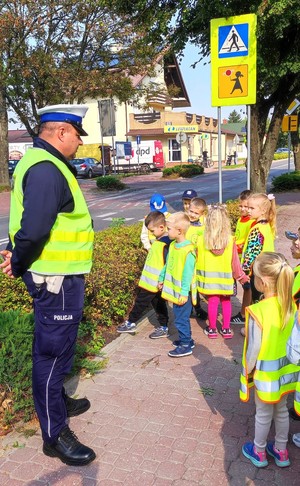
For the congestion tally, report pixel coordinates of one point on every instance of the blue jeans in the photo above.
(182, 321)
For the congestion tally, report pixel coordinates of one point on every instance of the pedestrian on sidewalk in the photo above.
(261, 208)
(196, 213)
(51, 242)
(217, 266)
(293, 347)
(177, 281)
(148, 285)
(242, 229)
(264, 362)
(157, 203)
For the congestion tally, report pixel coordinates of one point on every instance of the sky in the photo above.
(198, 84)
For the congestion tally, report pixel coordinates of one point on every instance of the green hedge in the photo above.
(185, 170)
(110, 183)
(286, 182)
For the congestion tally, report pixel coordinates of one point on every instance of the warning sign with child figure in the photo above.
(233, 60)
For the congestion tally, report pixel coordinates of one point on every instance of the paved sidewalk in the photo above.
(158, 421)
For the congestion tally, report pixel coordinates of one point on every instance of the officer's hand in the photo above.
(6, 265)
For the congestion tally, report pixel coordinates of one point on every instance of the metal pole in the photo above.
(289, 155)
(220, 154)
(248, 146)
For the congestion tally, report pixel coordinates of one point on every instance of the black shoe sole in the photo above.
(74, 413)
(65, 460)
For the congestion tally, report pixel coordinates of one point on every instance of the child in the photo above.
(264, 358)
(157, 203)
(262, 209)
(217, 266)
(293, 348)
(196, 214)
(148, 292)
(176, 280)
(186, 197)
(243, 227)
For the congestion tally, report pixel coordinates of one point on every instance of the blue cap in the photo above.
(189, 194)
(158, 203)
(72, 114)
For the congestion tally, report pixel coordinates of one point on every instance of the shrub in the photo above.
(185, 170)
(233, 212)
(282, 155)
(110, 183)
(286, 182)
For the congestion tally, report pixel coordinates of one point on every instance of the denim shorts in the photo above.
(246, 286)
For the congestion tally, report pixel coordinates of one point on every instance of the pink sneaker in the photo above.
(281, 457)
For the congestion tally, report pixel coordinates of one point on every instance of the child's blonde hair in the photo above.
(217, 230)
(279, 277)
(268, 205)
(180, 220)
(199, 203)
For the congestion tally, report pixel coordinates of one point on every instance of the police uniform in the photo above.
(51, 239)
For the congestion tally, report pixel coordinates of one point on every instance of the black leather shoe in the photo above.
(76, 406)
(69, 450)
(293, 414)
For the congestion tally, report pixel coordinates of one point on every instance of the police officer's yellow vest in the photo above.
(241, 232)
(153, 266)
(266, 231)
(69, 248)
(174, 271)
(274, 375)
(193, 233)
(214, 272)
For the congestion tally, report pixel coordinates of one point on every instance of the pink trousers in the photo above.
(213, 304)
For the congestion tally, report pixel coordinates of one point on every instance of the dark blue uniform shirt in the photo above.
(46, 193)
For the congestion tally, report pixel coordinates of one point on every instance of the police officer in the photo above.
(51, 239)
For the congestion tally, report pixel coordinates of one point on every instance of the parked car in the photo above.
(281, 150)
(11, 166)
(87, 167)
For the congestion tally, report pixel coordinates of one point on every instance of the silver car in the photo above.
(87, 167)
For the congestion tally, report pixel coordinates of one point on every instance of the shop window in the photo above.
(174, 151)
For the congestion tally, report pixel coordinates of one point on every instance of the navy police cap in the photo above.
(72, 114)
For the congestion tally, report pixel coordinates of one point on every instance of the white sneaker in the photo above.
(296, 439)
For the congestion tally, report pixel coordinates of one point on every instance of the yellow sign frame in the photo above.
(231, 67)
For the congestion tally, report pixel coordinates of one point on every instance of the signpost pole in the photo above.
(220, 154)
(248, 146)
(289, 153)
(138, 141)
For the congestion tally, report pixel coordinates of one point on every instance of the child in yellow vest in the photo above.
(261, 208)
(186, 198)
(242, 229)
(176, 281)
(217, 266)
(148, 292)
(265, 366)
(157, 203)
(196, 213)
(293, 346)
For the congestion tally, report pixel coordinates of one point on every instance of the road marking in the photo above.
(105, 215)
(125, 219)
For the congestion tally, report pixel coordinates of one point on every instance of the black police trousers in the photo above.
(57, 318)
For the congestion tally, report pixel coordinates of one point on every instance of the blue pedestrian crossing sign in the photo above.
(233, 40)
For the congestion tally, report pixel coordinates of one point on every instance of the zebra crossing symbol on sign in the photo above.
(233, 40)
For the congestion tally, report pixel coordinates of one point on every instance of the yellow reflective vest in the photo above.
(174, 272)
(193, 233)
(296, 292)
(241, 232)
(214, 272)
(274, 375)
(69, 248)
(153, 266)
(296, 284)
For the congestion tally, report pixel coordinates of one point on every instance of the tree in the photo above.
(278, 62)
(64, 52)
(234, 117)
